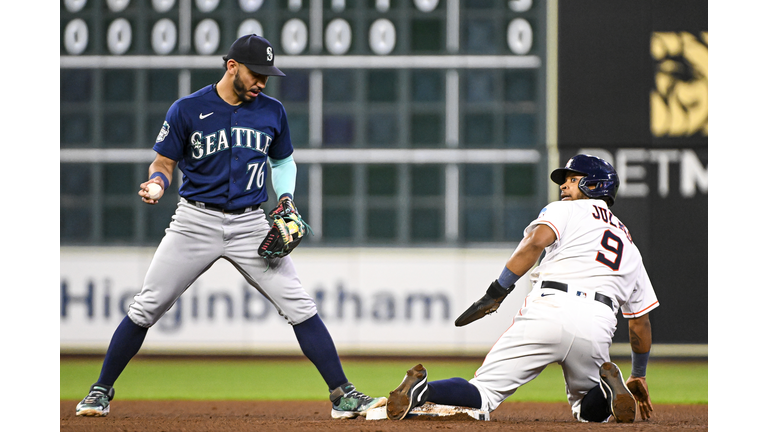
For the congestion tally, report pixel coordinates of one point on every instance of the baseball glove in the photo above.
(488, 303)
(288, 228)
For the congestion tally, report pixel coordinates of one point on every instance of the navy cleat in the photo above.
(617, 394)
(411, 393)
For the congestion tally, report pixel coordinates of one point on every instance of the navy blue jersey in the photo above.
(222, 149)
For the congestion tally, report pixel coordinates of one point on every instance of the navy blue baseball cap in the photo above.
(255, 53)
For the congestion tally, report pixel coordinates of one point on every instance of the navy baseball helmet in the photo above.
(597, 172)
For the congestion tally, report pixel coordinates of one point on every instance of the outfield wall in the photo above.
(374, 302)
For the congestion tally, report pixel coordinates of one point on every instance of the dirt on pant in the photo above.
(315, 416)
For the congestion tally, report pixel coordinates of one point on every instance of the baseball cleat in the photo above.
(411, 393)
(619, 397)
(348, 403)
(96, 404)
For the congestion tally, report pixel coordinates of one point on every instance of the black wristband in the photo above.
(496, 290)
(639, 363)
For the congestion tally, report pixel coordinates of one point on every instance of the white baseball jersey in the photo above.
(594, 250)
(593, 254)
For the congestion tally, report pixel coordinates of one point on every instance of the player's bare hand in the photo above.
(151, 191)
(639, 389)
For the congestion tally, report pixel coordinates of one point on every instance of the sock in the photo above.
(455, 391)
(318, 347)
(594, 406)
(125, 343)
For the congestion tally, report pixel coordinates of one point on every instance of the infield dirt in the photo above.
(236, 416)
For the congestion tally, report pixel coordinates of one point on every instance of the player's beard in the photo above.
(240, 90)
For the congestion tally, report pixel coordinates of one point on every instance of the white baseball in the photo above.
(154, 190)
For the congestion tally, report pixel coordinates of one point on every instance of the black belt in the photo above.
(209, 206)
(604, 299)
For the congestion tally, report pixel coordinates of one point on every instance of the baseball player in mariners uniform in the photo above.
(591, 270)
(225, 138)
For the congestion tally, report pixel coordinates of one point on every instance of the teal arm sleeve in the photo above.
(283, 176)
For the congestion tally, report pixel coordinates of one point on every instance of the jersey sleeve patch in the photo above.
(164, 131)
(554, 215)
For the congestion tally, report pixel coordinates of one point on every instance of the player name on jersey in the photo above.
(608, 217)
(206, 145)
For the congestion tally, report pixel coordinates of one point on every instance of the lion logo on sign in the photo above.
(679, 101)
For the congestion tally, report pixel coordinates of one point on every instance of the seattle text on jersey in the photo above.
(206, 145)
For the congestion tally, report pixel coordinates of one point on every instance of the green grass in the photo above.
(669, 382)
